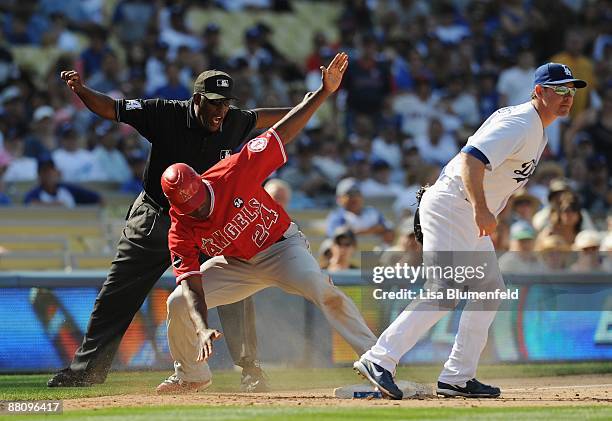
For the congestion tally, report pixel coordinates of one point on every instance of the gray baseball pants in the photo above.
(287, 264)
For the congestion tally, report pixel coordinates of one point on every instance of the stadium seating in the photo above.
(54, 229)
(32, 261)
(292, 32)
(90, 260)
(21, 214)
(34, 243)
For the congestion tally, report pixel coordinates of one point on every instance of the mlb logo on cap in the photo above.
(556, 74)
(214, 84)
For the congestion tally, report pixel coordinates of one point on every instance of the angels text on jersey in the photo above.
(252, 212)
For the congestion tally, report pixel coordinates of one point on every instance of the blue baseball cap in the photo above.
(358, 156)
(522, 230)
(556, 74)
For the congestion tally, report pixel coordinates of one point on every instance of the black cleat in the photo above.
(472, 389)
(253, 379)
(68, 378)
(379, 377)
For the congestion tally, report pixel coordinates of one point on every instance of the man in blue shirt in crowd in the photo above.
(51, 192)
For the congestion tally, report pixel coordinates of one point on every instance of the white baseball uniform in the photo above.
(512, 140)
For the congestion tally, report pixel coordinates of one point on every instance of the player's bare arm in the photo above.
(97, 102)
(472, 174)
(266, 117)
(296, 119)
(198, 312)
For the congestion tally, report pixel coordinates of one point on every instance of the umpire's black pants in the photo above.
(142, 257)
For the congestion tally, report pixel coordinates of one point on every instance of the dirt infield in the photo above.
(545, 391)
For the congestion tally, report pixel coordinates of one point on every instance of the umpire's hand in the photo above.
(72, 79)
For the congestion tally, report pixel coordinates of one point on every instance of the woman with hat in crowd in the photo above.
(587, 245)
(553, 251)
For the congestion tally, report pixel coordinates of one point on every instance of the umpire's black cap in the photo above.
(214, 84)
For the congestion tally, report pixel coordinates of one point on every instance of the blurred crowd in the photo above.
(423, 76)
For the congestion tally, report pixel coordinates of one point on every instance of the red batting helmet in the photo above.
(183, 187)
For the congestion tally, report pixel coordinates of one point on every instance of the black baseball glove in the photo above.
(418, 233)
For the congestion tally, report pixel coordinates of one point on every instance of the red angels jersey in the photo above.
(243, 218)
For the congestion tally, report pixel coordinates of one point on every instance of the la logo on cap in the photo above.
(223, 83)
(567, 70)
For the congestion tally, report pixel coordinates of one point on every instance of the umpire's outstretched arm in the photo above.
(297, 118)
(97, 102)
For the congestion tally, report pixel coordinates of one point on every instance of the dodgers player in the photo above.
(226, 213)
(458, 213)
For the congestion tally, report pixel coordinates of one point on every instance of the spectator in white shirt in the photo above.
(353, 214)
(75, 163)
(379, 184)
(516, 83)
(110, 164)
(155, 67)
(437, 147)
(387, 146)
(448, 29)
(21, 167)
(177, 34)
(418, 108)
(461, 102)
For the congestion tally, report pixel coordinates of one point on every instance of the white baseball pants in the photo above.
(447, 221)
(288, 265)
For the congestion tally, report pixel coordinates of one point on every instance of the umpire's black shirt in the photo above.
(176, 135)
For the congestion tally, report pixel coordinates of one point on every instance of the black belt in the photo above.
(159, 208)
(281, 239)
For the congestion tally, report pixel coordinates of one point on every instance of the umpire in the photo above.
(199, 132)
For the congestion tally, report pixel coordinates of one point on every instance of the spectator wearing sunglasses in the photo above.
(342, 250)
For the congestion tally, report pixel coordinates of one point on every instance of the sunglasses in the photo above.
(344, 244)
(219, 102)
(562, 90)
